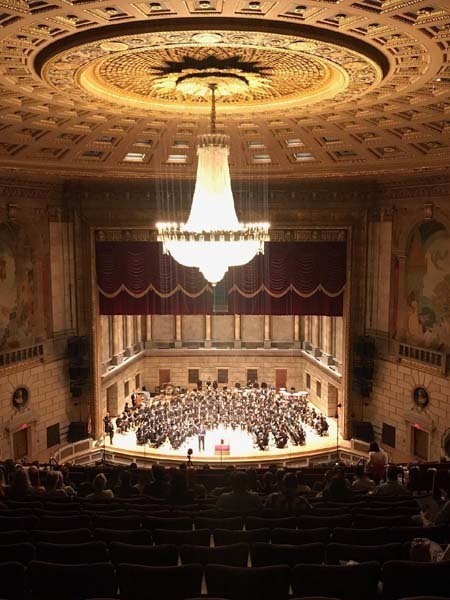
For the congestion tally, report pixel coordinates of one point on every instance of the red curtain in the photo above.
(291, 278)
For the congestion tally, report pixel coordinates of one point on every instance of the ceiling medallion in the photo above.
(170, 71)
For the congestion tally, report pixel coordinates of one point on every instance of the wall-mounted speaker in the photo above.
(363, 430)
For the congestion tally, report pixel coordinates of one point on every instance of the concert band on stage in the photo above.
(270, 417)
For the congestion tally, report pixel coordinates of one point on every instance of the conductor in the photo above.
(201, 433)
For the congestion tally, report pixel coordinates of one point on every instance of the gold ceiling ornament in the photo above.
(170, 71)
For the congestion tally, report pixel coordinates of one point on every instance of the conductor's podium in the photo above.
(222, 449)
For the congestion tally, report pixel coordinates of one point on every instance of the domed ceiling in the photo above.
(323, 88)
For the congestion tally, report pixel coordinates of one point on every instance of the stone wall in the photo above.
(49, 402)
(392, 402)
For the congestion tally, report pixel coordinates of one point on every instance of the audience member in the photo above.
(125, 489)
(392, 487)
(100, 492)
(159, 488)
(376, 465)
(240, 499)
(35, 480)
(54, 485)
(288, 500)
(21, 486)
(337, 489)
(362, 482)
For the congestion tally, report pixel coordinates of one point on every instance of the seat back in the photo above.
(12, 581)
(22, 553)
(300, 536)
(66, 536)
(72, 554)
(162, 555)
(135, 536)
(361, 537)
(354, 582)
(225, 537)
(232, 523)
(241, 583)
(49, 581)
(174, 583)
(381, 553)
(198, 537)
(408, 578)
(263, 555)
(234, 554)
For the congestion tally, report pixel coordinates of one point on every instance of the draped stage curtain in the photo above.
(291, 278)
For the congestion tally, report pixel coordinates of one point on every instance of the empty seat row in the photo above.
(48, 581)
(202, 537)
(134, 521)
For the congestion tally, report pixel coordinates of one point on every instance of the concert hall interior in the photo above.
(336, 113)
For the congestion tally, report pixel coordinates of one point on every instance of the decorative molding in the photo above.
(276, 235)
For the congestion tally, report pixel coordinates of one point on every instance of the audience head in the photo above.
(51, 481)
(392, 473)
(374, 447)
(290, 483)
(99, 482)
(21, 485)
(159, 473)
(239, 482)
(338, 488)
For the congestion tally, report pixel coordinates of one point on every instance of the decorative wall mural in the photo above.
(20, 322)
(428, 286)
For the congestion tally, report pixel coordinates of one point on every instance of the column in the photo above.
(401, 327)
(339, 324)
(208, 331)
(296, 331)
(237, 331)
(315, 335)
(327, 340)
(178, 339)
(267, 340)
(307, 332)
(138, 340)
(129, 351)
(148, 331)
(117, 340)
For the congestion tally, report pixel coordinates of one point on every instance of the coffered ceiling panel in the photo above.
(319, 88)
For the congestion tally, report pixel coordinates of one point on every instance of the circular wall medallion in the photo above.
(20, 398)
(421, 397)
(171, 71)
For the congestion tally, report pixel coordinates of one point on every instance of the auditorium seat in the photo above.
(361, 537)
(14, 537)
(244, 583)
(233, 523)
(233, 554)
(312, 522)
(137, 582)
(12, 581)
(262, 523)
(353, 582)
(27, 522)
(49, 581)
(372, 521)
(175, 523)
(264, 555)
(380, 553)
(57, 523)
(300, 536)
(21, 552)
(224, 537)
(438, 533)
(134, 536)
(198, 537)
(162, 555)
(126, 522)
(72, 554)
(66, 536)
(408, 578)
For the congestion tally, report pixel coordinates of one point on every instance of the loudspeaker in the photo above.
(78, 430)
(363, 430)
(77, 348)
(365, 347)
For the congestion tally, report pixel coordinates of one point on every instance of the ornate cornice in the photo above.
(276, 235)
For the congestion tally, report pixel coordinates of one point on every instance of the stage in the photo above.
(241, 448)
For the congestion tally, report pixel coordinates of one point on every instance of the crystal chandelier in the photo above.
(212, 239)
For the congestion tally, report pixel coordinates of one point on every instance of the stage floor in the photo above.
(242, 448)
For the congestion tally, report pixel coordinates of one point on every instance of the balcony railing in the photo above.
(433, 358)
(13, 357)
